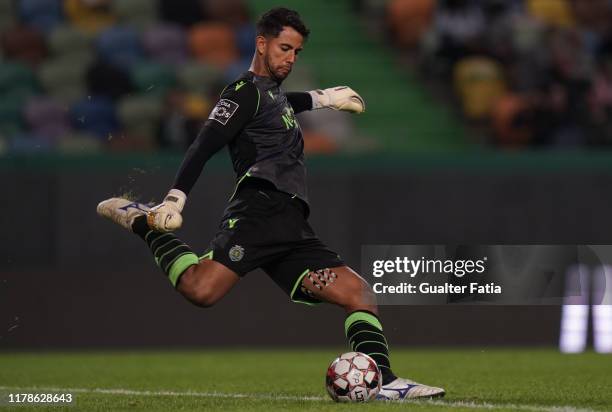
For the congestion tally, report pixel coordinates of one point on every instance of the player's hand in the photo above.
(338, 98)
(166, 217)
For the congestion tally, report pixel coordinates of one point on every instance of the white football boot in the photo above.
(122, 211)
(404, 389)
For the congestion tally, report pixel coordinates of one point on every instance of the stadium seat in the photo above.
(509, 121)
(17, 84)
(28, 142)
(153, 78)
(79, 143)
(196, 107)
(7, 15)
(104, 79)
(140, 115)
(236, 69)
(137, 13)
(43, 15)
(24, 44)
(232, 12)
(213, 43)
(11, 119)
(65, 39)
(245, 35)
(119, 46)
(4, 145)
(329, 123)
(318, 143)
(552, 12)
(182, 12)
(301, 79)
(199, 78)
(63, 78)
(95, 115)
(409, 19)
(90, 16)
(479, 82)
(132, 143)
(182, 119)
(17, 78)
(47, 118)
(166, 43)
(373, 8)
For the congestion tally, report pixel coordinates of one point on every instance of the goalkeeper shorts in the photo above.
(268, 229)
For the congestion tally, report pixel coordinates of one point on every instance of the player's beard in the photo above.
(275, 73)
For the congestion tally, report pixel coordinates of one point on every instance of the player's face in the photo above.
(282, 52)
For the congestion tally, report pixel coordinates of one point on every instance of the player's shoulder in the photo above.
(241, 97)
(241, 88)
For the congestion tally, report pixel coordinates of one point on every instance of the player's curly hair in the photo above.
(271, 23)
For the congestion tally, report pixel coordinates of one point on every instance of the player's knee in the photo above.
(359, 296)
(347, 290)
(204, 296)
(196, 289)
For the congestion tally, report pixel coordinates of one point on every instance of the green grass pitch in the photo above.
(540, 380)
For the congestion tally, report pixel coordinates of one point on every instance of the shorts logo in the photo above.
(223, 111)
(236, 253)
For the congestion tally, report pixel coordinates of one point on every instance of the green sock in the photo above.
(171, 254)
(365, 334)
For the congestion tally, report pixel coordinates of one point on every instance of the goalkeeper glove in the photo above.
(166, 216)
(338, 98)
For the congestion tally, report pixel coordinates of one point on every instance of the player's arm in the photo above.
(337, 98)
(300, 101)
(234, 109)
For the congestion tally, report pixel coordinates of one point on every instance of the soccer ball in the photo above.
(353, 377)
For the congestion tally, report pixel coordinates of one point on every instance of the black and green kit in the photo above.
(265, 223)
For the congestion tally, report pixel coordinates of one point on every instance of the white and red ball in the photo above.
(353, 377)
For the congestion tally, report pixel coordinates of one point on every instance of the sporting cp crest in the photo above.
(236, 253)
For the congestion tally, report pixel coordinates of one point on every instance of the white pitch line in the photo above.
(448, 404)
(513, 406)
(119, 391)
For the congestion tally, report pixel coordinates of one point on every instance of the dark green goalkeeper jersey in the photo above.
(256, 119)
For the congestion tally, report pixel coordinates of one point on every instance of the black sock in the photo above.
(365, 334)
(171, 254)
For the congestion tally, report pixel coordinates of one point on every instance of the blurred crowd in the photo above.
(121, 75)
(533, 72)
(90, 75)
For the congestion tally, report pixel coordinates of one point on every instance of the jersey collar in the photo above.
(264, 82)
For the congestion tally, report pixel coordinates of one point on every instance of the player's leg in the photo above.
(206, 283)
(310, 273)
(344, 287)
(338, 284)
(201, 282)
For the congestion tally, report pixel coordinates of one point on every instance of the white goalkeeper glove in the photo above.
(338, 98)
(166, 217)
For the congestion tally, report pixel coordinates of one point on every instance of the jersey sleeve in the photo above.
(237, 105)
(300, 101)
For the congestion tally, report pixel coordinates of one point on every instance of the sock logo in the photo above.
(236, 253)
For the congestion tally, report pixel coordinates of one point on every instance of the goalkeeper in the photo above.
(265, 223)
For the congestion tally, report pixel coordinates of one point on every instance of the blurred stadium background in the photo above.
(487, 122)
